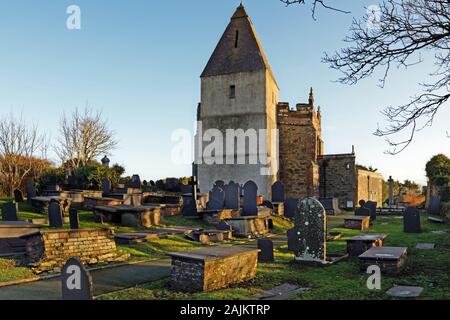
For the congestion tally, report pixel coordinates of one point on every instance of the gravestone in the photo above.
(136, 182)
(268, 204)
(74, 219)
(76, 281)
(405, 292)
(250, 199)
(232, 199)
(55, 217)
(308, 238)
(9, 212)
(391, 192)
(31, 190)
(278, 192)
(372, 206)
(434, 207)
(224, 226)
(290, 207)
(106, 186)
(216, 199)
(18, 196)
(220, 184)
(189, 206)
(266, 250)
(362, 211)
(411, 220)
(425, 246)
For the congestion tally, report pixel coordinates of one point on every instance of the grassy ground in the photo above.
(428, 269)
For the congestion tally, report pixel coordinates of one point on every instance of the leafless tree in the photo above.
(405, 31)
(19, 148)
(83, 137)
(314, 4)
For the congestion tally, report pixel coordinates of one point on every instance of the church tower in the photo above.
(238, 92)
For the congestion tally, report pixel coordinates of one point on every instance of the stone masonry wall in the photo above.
(370, 186)
(49, 250)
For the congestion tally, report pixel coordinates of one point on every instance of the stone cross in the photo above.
(10, 212)
(411, 220)
(232, 199)
(308, 238)
(18, 196)
(76, 281)
(74, 219)
(216, 199)
(278, 192)
(250, 199)
(55, 216)
(290, 207)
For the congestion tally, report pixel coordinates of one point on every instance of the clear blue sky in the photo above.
(140, 62)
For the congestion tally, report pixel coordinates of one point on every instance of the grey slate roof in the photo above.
(249, 54)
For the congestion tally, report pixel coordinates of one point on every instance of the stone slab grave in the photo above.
(357, 222)
(290, 207)
(411, 221)
(10, 233)
(55, 215)
(425, 246)
(210, 236)
(308, 239)
(266, 254)
(76, 281)
(278, 192)
(212, 268)
(331, 206)
(249, 226)
(130, 199)
(136, 237)
(232, 197)
(18, 196)
(10, 212)
(439, 232)
(391, 260)
(357, 245)
(282, 292)
(250, 207)
(129, 216)
(214, 217)
(405, 292)
(41, 204)
(91, 202)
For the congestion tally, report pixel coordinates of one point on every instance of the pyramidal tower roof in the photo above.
(239, 49)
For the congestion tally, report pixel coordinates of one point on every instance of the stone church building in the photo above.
(239, 91)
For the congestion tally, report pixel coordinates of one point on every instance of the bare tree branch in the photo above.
(314, 3)
(405, 30)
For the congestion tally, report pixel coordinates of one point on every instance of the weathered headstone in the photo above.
(290, 207)
(18, 196)
(250, 199)
(189, 206)
(278, 192)
(220, 184)
(74, 219)
(216, 199)
(308, 238)
(136, 182)
(362, 211)
(411, 220)
(76, 281)
(31, 190)
(106, 186)
(10, 212)
(266, 250)
(434, 206)
(372, 206)
(55, 216)
(232, 199)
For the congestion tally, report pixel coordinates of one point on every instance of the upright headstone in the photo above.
(216, 199)
(391, 192)
(308, 238)
(106, 186)
(18, 196)
(290, 207)
(10, 212)
(362, 211)
(232, 199)
(250, 199)
(434, 207)
(411, 220)
(74, 219)
(136, 182)
(278, 192)
(372, 206)
(189, 209)
(220, 184)
(266, 250)
(55, 216)
(31, 190)
(76, 281)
